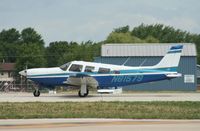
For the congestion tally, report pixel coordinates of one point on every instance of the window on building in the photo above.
(76, 68)
(2, 73)
(104, 70)
(89, 69)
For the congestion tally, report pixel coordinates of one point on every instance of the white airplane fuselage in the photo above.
(92, 74)
(116, 76)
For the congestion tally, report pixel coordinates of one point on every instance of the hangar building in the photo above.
(148, 54)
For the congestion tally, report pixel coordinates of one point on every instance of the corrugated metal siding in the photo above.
(187, 66)
(112, 50)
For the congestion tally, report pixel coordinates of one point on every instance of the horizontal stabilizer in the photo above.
(174, 75)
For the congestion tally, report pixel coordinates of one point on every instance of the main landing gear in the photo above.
(83, 92)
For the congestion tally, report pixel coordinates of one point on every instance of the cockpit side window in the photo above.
(76, 68)
(89, 69)
(104, 70)
(65, 66)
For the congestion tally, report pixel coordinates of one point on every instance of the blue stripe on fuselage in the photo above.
(49, 81)
(124, 80)
(106, 81)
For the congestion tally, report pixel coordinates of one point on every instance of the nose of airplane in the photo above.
(23, 73)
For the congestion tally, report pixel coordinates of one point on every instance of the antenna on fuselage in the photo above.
(126, 61)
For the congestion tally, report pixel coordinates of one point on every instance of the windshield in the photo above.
(65, 66)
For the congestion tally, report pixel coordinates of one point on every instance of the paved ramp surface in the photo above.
(45, 97)
(99, 124)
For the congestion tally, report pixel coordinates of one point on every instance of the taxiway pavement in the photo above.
(60, 97)
(99, 124)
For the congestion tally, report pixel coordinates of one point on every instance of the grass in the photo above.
(130, 110)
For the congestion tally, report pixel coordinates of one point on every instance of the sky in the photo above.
(83, 20)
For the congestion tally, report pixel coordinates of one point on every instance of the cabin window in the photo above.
(116, 72)
(104, 70)
(65, 66)
(76, 68)
(89, 69)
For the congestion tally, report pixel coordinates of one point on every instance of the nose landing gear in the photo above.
(36, 93)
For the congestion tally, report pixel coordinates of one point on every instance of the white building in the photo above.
(6, 75)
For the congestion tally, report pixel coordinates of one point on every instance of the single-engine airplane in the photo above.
(89, 74)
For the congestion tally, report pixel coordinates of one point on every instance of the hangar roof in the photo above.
(144, 49)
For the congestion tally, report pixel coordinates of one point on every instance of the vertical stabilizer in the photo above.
(171, 59)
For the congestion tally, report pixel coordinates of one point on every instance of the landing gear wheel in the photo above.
(36, 93)
(83, 95)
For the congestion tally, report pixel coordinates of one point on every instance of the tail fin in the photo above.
(171, 60)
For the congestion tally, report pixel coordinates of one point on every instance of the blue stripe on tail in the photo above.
(177, 47)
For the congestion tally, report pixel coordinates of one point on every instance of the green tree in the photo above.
(31, 50)
(83, 51)
(151, 39)
(167, 34)
(9, 41)
(31, 56)
(124, 29)
(10, 36)
(115, 37)
(60, 52)
(1, 57)
(88, 51)
(29, 35)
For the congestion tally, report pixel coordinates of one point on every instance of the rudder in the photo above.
(171, 59)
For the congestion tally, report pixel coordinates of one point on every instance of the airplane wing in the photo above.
(76, 80)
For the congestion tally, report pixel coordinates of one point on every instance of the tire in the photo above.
(36, 93)
(86, 94)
